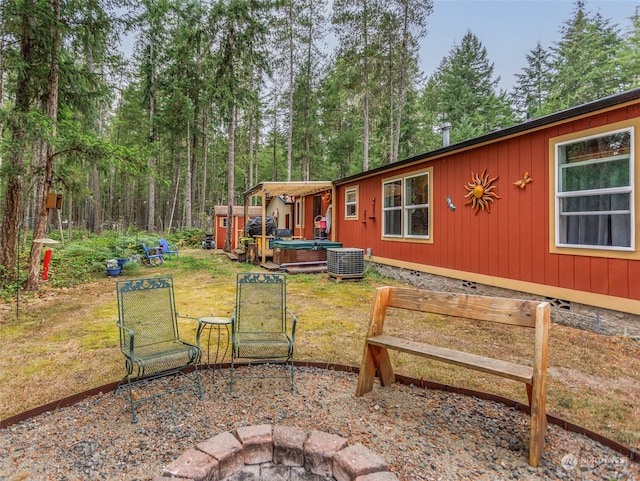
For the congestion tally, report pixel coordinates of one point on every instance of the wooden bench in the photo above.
(513, 312)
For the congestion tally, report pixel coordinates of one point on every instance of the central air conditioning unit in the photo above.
(345, 263)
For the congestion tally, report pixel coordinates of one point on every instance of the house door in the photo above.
(317, 206)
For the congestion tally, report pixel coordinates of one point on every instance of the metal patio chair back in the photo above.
(263, 328)
(150, 339)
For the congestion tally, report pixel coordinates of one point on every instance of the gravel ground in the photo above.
(423, 434)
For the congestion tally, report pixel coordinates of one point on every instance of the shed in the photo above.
(220, 223)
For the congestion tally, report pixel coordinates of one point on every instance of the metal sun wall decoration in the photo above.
(480, 192)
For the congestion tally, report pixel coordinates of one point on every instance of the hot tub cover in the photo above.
(306, 244)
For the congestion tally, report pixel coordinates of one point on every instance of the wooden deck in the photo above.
(236, 255)
(231, 255)
(270, 266)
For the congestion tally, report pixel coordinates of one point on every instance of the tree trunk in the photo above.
(151, 162)
(365, 137)
(403, 67)
(175, 198)
(290, 112)
(205, 159)
(97, 199)
(231, 179)
(306, 157)
(274, 154)
(69, 214)
(391, 104)
(95, 173)
(252, 150)
(11, 217)
(195, 149)
(2, 46)
(187, 181)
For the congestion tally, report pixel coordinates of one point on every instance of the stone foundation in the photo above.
(277, 453)
(590, 318)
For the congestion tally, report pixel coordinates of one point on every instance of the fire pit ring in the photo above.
(265, 452)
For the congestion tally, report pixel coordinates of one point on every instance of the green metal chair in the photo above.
(263, 328)
(149, 337)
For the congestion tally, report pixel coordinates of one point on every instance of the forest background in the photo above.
(220, 95)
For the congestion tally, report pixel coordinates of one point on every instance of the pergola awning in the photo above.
(292, 189)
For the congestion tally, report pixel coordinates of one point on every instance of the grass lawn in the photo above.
(65, 341)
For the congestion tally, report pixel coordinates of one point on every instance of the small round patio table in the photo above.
(217, 323)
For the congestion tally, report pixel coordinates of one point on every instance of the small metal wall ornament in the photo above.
(450, 204)
(522, 183)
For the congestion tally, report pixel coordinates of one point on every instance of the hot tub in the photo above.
(297, 251)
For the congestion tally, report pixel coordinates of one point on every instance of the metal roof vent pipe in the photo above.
(446, 133)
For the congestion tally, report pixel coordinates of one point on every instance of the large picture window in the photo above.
(406, 207)
(595, 191)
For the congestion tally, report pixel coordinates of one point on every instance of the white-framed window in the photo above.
(416, 205)
(392, 208)
(594, 191)
(351, 203)
(406, 206)
(223, 222)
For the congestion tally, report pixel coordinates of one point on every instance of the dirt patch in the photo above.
(577, 379)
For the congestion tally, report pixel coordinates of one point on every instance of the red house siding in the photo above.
(512, 242)
(221, 231)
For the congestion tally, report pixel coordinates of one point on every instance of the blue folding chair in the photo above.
(168, 249)
(153, 255)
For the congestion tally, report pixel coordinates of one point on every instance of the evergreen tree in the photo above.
(341, 119)
(531, 91)
(412, 20)
(584, 63)
(302, 27)
(629, 56)
(183, 79)
(151, 21)
(356, 23)
(464, 91)
(289, 41)
(309, 152)
(242, 31)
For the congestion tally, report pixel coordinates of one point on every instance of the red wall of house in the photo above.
(510, 242)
